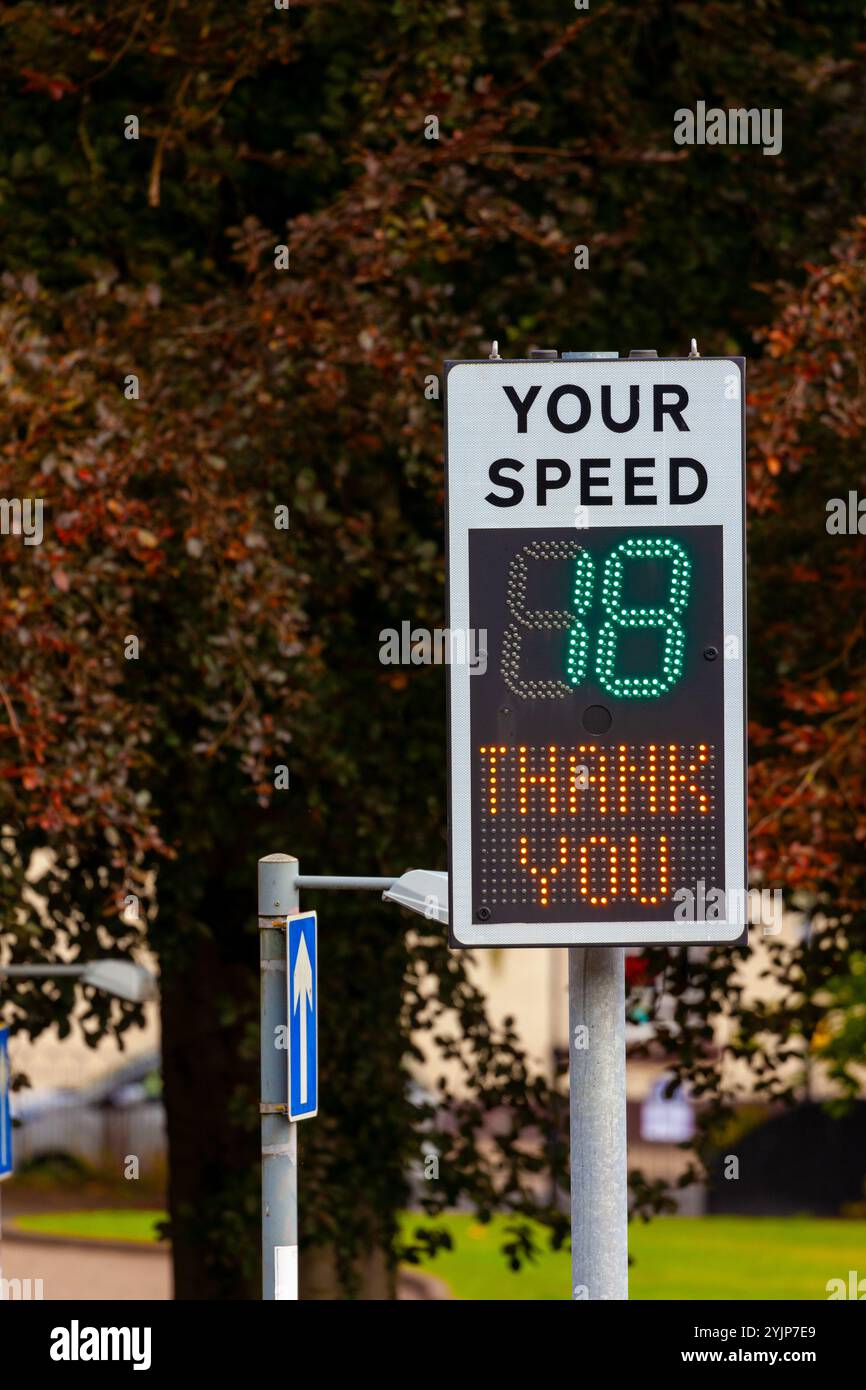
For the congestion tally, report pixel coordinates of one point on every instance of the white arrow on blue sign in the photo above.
(303, 1016)
(5, 1107)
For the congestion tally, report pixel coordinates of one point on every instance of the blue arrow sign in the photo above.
(303, 1016)
(5, 1107)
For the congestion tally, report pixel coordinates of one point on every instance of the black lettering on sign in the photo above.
(676, 467)
(565, 426)
(522, 407)
(635, 480)
(550, 474)
(661, 407)
(496, 474)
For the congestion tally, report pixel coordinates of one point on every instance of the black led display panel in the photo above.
(597, 725)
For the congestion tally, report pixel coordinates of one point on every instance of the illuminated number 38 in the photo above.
(618, 618)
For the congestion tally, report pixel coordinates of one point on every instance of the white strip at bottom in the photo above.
(286, 1273)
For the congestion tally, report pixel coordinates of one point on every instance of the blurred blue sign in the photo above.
(5, 1107)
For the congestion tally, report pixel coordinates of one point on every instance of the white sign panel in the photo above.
(595, 514)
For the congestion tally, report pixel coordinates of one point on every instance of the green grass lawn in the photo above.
(136, 1226)
(741, 1257)
(713, 1257)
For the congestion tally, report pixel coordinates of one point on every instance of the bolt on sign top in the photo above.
(595, 520)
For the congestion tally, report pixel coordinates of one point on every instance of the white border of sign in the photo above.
(478, 430)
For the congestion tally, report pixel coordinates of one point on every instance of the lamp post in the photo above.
(279, 884)
(597, 1106)
(122, 978)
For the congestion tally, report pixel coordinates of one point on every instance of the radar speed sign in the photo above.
(596, 557)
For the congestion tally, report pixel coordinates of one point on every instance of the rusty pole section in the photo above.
(278, 896)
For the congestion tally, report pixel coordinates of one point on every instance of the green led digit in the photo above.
(619, 619)
(578, 637)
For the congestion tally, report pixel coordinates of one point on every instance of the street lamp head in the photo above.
(424, 891)
(122, 978)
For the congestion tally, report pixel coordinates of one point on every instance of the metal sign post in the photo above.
(278, 899)
(596, 560)
(597, 1099)
(288, 959)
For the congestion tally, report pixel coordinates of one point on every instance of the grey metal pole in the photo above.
(278, 895)
(39, 972)
(346, 881)
(599, 1181)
